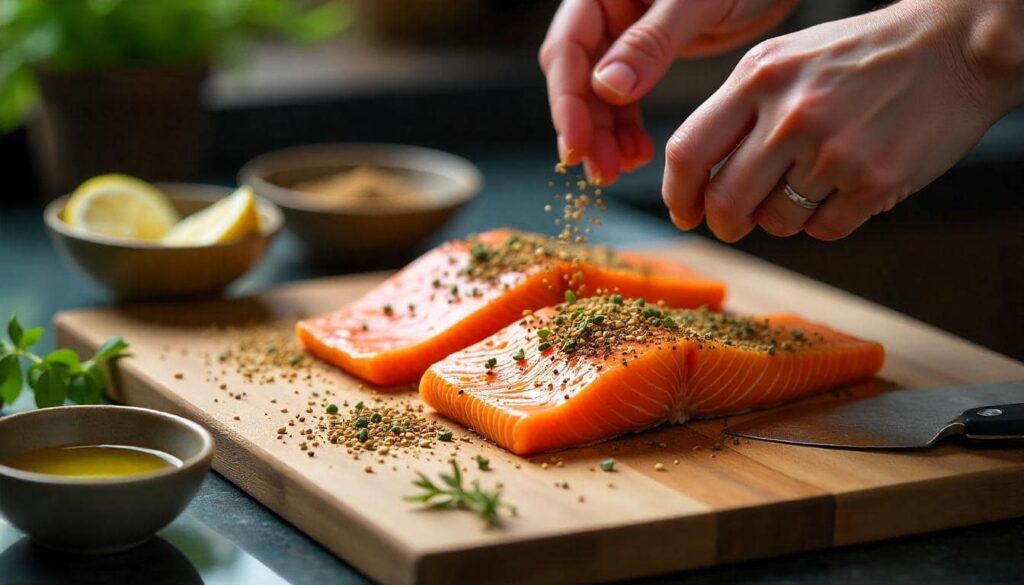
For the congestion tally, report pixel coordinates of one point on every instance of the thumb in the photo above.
(642, 54)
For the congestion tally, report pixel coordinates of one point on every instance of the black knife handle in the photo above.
(1004, 422)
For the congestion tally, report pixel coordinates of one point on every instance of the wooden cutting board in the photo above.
(708, 507)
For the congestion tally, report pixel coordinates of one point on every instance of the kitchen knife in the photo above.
(900, 419)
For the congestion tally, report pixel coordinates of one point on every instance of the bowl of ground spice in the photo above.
(360, 205)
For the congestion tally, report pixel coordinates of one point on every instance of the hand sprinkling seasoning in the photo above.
(453, 495)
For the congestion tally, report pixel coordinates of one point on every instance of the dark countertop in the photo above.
(227, 537)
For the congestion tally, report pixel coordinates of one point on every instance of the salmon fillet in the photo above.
(556, 379)
(463, 291)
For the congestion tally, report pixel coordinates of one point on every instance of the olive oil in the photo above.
(93, 461)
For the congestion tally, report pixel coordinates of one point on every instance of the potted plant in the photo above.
(118, 82)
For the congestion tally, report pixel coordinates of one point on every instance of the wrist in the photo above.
(995, 46)
(989, 37)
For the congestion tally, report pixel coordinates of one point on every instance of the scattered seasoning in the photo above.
(444, 435)
(332, 408)
(603, 326)
(608, 464)
(482, 463)
(491, 363)
(659, 466)
(388, 310)
(519, 355)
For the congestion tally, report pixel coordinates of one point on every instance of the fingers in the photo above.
(635, 145)
(747, 178)
(640, 56)
(566, 59)
(602, 165)
(703, 140)
(780, 216)
(838, 217)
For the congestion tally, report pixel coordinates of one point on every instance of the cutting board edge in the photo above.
(127, 379)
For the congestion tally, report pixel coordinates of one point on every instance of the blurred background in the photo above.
(459, 75)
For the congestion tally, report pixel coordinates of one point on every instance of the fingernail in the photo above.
(564, 152)
(618, 77)
(590, 171)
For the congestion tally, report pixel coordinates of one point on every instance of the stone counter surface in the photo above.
(226, 537)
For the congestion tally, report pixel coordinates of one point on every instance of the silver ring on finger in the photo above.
(797, 198)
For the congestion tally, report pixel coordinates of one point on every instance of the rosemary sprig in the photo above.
(454, 495)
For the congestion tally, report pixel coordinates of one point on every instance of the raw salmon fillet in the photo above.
(537, 386)
(463, 291)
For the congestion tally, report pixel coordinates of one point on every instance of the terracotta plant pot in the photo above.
(142, 122)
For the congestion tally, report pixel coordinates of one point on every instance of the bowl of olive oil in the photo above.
(98, 479)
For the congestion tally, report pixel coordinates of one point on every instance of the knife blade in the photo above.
(899, 419)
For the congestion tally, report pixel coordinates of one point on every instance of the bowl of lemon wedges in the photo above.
(146, 241)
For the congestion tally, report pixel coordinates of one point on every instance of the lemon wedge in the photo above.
(232, 218)
(122, 207)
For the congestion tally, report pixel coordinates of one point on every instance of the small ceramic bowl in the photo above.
(98, 516)
(336, 235)
(130, 270)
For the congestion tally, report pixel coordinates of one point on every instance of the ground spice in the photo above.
(605, 326)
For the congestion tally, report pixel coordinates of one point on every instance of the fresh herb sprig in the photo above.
(55, 377)
(454, 495)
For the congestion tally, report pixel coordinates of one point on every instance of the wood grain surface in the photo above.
(742, 501)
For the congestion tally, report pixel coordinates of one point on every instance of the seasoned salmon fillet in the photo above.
(463, 291)
(584, 372)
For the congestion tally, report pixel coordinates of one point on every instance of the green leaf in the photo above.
(30, 337)
(65, 357)
(51, 388)
(96, 373)
(84, 390)
(10, 379)
(34, 371)
(14, 330)
(111, 348)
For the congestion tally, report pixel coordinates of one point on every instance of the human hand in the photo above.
(632, 43)
(856, 114)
